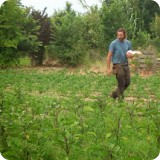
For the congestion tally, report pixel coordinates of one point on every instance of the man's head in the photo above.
(121, 34)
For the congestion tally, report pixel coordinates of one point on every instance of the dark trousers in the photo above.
(122, 73)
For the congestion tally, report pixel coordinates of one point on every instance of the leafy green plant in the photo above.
(57, 115)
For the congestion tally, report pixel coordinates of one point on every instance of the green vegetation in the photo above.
(64, 115)
(58, 115)
(71, 37)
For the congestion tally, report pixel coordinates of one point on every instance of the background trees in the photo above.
(11, 18)
(76, 37)
(156, 32)
(17, 33)
(67, 45)
(44, 35)
(70, 37)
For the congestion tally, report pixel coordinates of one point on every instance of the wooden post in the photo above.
(147, 63)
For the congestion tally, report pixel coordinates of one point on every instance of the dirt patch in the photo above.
(99, 66)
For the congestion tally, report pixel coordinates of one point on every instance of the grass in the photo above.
(24, 62)
(56, 115)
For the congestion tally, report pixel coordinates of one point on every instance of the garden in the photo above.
(61, 115)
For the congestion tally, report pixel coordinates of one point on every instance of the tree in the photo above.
(77, 37)
(18, 31)
(29, 41)
(148, 10)
(68, 45)
(114, 16)
(156, 31)
(11, 17)
(133, 15)
(44, 35)
(93, 33)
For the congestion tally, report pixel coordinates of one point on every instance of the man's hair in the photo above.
(124, 32)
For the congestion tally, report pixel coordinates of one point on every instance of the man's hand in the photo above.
(129, 55)
(109, 72)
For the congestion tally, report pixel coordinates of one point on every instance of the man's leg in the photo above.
(127, 76)
(121, 83)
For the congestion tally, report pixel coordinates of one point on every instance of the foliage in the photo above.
(77, 37)
(68, 45)
(56, 115)
(43, 34)
(72, 37)
(148, 9)
(133, 15)
(29, 41)
(155, 26)
(93, 33)
(10, 30)
(142, 39)
(156, 31)
(114, 15)
(16, 29)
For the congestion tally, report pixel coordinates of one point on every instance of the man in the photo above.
(117, 54)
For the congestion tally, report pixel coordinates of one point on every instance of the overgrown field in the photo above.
(55, 115)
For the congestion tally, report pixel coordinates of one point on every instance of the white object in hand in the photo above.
(134, 52)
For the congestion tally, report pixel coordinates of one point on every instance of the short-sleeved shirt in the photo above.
(119, 50)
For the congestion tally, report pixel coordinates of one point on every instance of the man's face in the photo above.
(120, 36)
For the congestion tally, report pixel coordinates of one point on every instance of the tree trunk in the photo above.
(37, 57)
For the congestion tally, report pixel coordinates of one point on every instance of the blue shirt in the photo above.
(119, 50)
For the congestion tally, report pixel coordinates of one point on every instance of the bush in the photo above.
(8, 57)
(68, 45)
(142, 39)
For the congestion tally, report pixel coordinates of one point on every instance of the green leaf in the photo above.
(108, 135)
(88, 109)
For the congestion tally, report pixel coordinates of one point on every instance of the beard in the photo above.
(121, 38)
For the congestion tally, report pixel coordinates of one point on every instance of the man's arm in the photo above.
(109, 56)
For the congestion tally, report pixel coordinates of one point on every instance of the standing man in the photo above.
(117, 54)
